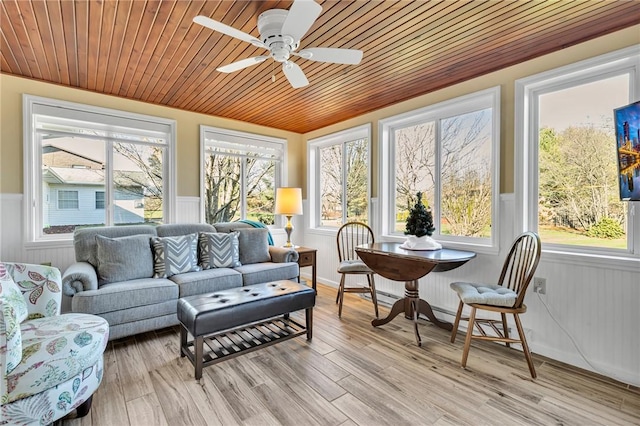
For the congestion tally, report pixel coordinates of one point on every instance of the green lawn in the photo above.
(554, 235)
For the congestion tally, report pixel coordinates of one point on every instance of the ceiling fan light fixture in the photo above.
(280, 33)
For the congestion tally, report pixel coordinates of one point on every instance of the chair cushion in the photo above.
(124, 258)
(485, 294)
(174, 255)
(219, 250)
(54, 349)
(351, 266)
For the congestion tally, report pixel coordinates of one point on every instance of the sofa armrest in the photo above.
(282, 254)
(81, 276)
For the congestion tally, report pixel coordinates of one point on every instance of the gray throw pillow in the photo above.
(124, 258)
(219, 250)
(174, 255)
(254, 246)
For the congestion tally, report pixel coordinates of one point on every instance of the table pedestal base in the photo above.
(412, 306)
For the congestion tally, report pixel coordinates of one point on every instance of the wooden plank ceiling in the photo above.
(153, 52)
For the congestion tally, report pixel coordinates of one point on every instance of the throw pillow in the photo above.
(14, 311)
(219, 250)
(254, 247)
(174, 255)
(124, 258)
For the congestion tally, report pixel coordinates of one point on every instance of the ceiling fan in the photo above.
(280, 33)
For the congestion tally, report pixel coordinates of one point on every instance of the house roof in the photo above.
(153, 52)
(81, 176)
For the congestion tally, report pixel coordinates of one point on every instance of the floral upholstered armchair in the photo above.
(50, 364)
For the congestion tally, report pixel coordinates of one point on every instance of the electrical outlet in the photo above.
(540, 285)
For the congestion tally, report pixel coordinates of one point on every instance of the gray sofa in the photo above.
(134, 275)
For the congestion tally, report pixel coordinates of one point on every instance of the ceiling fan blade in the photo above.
(295, 75)
(334, 55)
(226, 29)
(302, 14)
(244, 63)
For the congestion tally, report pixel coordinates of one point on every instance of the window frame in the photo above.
(527, 92)
(103, 118)
(236, 137)
(313, 161)
(484, 99)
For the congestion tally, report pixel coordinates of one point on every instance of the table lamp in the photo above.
(288, 203)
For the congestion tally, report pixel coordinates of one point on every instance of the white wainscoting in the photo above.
(597, 306)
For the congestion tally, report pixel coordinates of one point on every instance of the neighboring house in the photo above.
(73, 191)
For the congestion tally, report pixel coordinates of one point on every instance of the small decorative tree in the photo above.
(420, 220)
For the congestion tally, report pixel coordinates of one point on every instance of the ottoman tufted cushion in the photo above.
(213, 312)
(486, 294)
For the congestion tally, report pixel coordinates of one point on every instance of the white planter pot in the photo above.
(421, 243)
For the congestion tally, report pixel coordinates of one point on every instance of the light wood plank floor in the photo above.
(352, 374)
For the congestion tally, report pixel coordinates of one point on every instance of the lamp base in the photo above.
(288, 228)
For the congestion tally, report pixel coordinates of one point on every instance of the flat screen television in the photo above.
(627, 122)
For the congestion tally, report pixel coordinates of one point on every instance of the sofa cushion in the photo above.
(55, 349)
(174, 255)
(257, 273)
(254, 247)
(124, 295)
(207, 281)
(124, 258)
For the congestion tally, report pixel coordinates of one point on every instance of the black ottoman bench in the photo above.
(241, 320)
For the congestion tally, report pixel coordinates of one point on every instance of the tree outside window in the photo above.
(240, 174)
(342, 179)
(446, 152)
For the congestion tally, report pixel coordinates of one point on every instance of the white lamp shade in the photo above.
(288, 201)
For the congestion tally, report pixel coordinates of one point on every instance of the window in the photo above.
(67, 200)
(82, 158)
(240, 172)
(339, 178)
(100, 200)
(567, 165)
(448, 152)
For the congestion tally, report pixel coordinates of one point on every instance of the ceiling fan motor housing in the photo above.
(270, 27)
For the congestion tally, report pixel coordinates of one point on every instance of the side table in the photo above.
(308, 258)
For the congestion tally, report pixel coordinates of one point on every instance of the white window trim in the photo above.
(526, 182)
(386, 157)
(242, 137)
(313, 170)
(33, 237)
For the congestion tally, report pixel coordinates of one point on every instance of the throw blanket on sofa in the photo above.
(259, 225)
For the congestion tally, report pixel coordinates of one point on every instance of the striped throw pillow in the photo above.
(219, 250)
(174, 255)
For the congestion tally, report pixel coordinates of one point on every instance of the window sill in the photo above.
(476, 248)
(624, 262)
(49, 244)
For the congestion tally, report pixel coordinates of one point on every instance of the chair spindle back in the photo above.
(521, 264)
(351, 235)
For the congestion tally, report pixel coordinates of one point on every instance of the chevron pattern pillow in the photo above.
(174, 255)
(219, 250)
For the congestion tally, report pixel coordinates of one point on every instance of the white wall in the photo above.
(598, 306)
